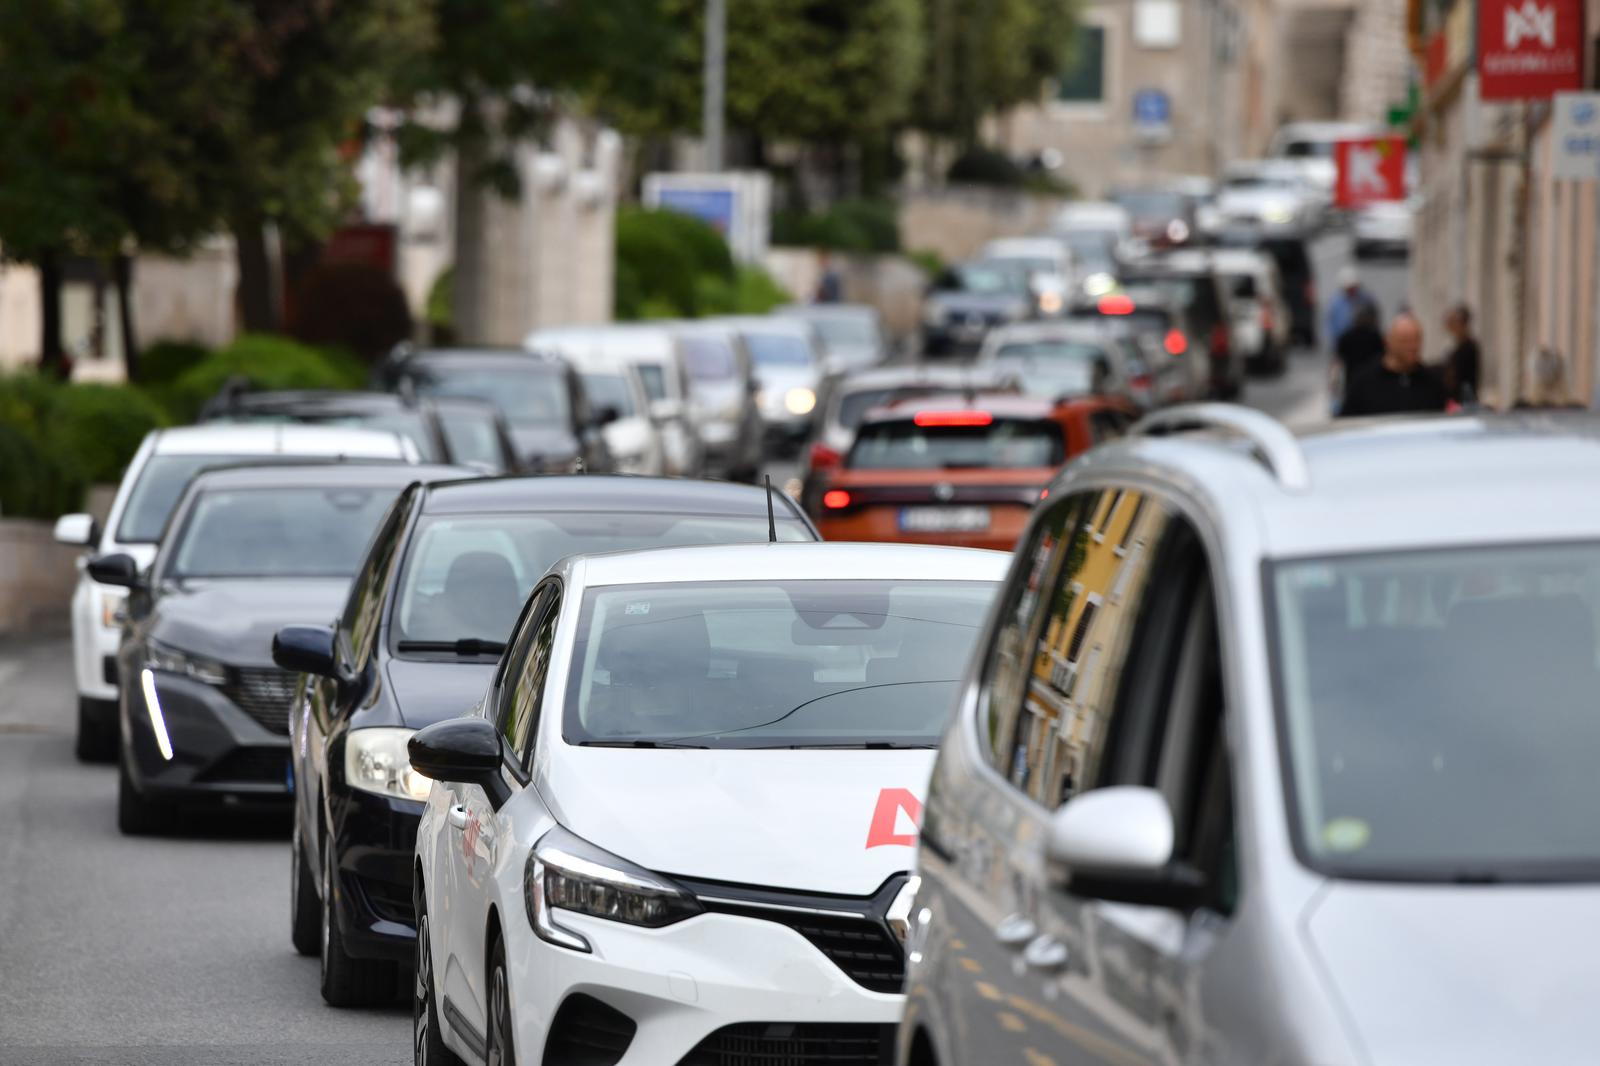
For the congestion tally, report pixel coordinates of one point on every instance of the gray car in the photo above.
(1278, 751)
(786, 355)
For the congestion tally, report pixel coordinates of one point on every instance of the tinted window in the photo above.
(709, 358)
(853, 406)
(1196, 294)
(609, 390)
(156, 493)
(532, 395)
(999, 444)
(278, 532)
(771, 664)
(472, 438)
(990, 277)
(365, 605)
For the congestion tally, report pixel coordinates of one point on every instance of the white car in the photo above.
(679, 827)
(1052, 273)
(155, 479)
(1382, 228)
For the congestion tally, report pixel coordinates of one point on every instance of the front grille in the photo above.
(248, 766)
(264, 693)
(789, 1044)
(586, 1032)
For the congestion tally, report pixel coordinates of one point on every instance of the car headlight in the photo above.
(375, 760)
(567, 873)
(1277, 214)
(799, 401)
(159, 656)
(111, 605)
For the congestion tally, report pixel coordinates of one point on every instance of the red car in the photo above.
(960, 469)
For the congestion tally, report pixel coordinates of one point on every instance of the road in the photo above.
(176, 950)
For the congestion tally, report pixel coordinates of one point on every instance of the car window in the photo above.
(778, 349)
(1052, 368)
(359, 624)
(523, 687)
(161, 483)
(610, 390)
(983, 442)
(276, 532)
(654, 377)
(472, 438)
(1107, 425)
(532, 395)
(710, 358)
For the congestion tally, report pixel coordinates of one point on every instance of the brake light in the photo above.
(834, 499)
(1219, 340)
(1116, 304)
(1044, 494)
(953, 418)
(824, 457)
(1175, 342)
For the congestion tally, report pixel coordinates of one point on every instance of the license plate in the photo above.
(944, 519)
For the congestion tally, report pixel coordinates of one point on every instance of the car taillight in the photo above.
(1044, 494)
(1219, 340)
(824, 457)
(1175, 343)
(952, 418)
(1115, 304)
(835, 499)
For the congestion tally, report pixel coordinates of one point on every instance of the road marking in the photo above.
(1011, 1023)
(971, 965)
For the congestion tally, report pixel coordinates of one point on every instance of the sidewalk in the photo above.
(36, 686)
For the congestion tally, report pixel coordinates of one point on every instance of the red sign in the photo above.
(1529, 49)
(1436, 59)
(1369, 169)
(884, 830)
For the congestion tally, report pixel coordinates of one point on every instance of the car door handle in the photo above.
(1015, 931)
(457, 816)
(1046, 954)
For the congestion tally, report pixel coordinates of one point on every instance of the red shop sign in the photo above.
(1368, 170)
(1529, 49)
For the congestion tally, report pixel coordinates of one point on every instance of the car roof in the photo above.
(479, 357)
(630, 341)
(1001, 405)
(317, 399)
(787, 562)
(319, 475)
(829, 310)
(1391, 483)
(279, 439)
(604, 492)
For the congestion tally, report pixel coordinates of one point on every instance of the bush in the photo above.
(165, 361)
(56, 438)
(97, 428)
(655, 264)
(985, 166)
(357, 307)
(752, 292)
(707, 249)
(928, 261)
(265, 362)
(35, 482)
(441, 310)
(870, 226)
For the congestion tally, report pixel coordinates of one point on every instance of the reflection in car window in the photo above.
(771, 664)
(156, 493)
(530, 662)
(277, 532)
(472, 438)
(999, 444)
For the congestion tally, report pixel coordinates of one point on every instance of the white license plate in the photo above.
(944, 519)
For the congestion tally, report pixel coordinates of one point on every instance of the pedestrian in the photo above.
(830, 286)
(1359, 347)
(1350, 299)
(1549, 383)
(1463, 362)
(1398, 382)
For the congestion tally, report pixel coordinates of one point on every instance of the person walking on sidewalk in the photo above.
(1343, 308)
(1462, 363)
(1398, 382)
(1359, 347)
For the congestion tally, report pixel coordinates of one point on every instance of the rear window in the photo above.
(1003, 443)
(1056, 367)
(709, 359)
(1139, 320)
(778, 349)
(609, 390)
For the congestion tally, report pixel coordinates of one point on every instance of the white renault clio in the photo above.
(680, 826)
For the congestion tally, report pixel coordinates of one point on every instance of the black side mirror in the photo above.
(604, 416)
(118, 570)
(305, 650)
(465, 751)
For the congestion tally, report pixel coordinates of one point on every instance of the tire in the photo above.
(97, 730)
(305, 919)
(501, 1047)
(348, 981)
(427, 1042)
(137, 815)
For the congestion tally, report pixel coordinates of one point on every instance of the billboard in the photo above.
(1529, 49)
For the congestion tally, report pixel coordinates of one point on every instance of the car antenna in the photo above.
(772, 519)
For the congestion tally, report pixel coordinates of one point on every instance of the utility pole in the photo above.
(716, 66)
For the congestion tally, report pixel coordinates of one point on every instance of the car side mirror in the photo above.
(78, 530)
(604, 416)
(306, 650)
(1116, 844)
(117, 570)
(464, 751)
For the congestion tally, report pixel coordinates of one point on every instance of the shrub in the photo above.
(707, 248)
(97, 428)
(34, 481)
(752, 292)
(165, 361)
(654, 263)
(354, 306)
(849, 226)
(441, 310)
(265, 362)
(985, 166)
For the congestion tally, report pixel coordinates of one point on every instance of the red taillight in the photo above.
(1141, 381)
(824, 457)
(1116, 304)
(1175, 342)
(953, 418)
(1044, 494)
(1219, 340)
(834, 499)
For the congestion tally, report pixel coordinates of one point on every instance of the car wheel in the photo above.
(305, 921)
(97, 730)
(348, 981)
(138, 815)
(427, 1042)
(501, 1049)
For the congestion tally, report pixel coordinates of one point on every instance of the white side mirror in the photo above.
(1125, 829)
(77, 530)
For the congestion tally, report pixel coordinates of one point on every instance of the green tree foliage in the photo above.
(264, 362)
(672, 266)
(982, 56)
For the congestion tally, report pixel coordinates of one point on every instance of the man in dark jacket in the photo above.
(1398, 382)
(1360, 346)
(1461, 365)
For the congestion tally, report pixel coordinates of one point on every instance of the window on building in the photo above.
(1083, 80)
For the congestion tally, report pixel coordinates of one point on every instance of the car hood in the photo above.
(234, 621)
(431, 691)
(1472, 975)
(799, 820)
(544, 443)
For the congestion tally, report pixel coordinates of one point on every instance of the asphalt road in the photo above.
(176, 950)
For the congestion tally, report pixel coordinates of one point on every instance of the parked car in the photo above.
(960, 470)
(1076, 357)
(1293, 256)
(553, 426)
(1289, 721)
(1161, 216)
(204, 713)
(853, 335)
(722, 399)
(787, 356)
(616, 395)
(427, 617)
(1190, 280)
(1268, 197)
(1052, 273)
(155, 479)
(1258, 313)
(1155, 316)
(969, 299)
(693, 768)
(1382, 228)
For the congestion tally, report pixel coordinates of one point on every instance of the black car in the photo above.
(1190, 282)
(203, 711)
(969, 299)
(456, 431)
(554, 428)
(427, 617)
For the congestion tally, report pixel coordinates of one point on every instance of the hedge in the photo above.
(56, 438)
(34, 481)
(165, 361)
(265, 362)
(673, 266)
(99, 427)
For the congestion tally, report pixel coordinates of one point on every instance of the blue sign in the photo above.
(714, 207)
(1152, 107)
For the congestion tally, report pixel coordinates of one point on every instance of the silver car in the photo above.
(787, 358)
(1075, 357)
(1278, 751)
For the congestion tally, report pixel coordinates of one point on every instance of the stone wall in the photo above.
(36, 578)
(956, 220)
(891, 283)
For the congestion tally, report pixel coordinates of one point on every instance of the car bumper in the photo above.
(1006, 523)
(682, 984)
(374, 845)
(218, 751)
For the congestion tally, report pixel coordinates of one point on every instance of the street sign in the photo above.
(1369, 169)
(1575, 136)
(1529, 49)
(1152, 114)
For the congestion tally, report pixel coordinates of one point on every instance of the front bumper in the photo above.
(684, 984)
(218, 751)
(374, 845)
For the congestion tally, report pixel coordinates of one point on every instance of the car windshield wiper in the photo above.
(464, 646)
(639, 744)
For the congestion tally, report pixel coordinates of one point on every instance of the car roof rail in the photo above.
(1273, 443)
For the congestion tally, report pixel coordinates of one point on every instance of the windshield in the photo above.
(654, 378)
(472, 438)
(1002, 443)
(1148, 204)
(156, 493)
(534, 395)
(467, 576)
(1309, 149)
(988, 278)
(610, 390)
(1055, 367)
(1440, 711)
(709, 359)
(778, 350)
(845, 331)
(277, 532)
(781, 664)
(1092, 250)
